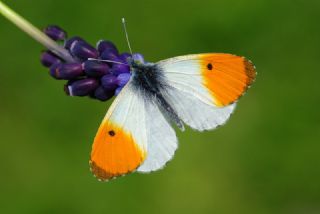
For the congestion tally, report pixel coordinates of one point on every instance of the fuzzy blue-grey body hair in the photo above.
(149, 80)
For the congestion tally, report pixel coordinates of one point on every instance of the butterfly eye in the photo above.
(209, 66)
(112, 133)
(138, 58)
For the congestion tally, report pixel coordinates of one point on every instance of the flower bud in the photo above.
(124, 57)
(82, 87)
(95, 78)
(48, 59)
(55, 33)
(109, 82)
(96, 69)
(119, 69)
(110, 54)
(70, 41)
(83, 50)
(117, 91)
(102, 94)
(123, 79)
(66, 71)
(103, 45)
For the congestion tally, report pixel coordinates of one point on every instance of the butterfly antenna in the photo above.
(104, 60)
(126, 33)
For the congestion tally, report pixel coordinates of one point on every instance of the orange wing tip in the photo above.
(114, 152)
(250, 71)
(227, 77)
(103, 175)
(100, 173)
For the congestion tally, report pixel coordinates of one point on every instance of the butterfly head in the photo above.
(136, 60)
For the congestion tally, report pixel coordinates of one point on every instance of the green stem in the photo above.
(34, 32)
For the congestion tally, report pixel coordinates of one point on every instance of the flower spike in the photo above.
(98, 72)
(35, 33)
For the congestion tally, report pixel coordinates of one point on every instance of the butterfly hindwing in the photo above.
(195, 113)
(162, 140)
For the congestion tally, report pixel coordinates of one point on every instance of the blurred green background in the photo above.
(264, 160)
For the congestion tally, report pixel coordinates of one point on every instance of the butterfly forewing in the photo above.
(133, 135)
(120, 145)
(203, 88)
(162, 140)
(218, 79)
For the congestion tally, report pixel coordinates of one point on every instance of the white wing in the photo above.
(196, 113)
(162, 140)
(133, 133)
(184, 74)
(203, 88)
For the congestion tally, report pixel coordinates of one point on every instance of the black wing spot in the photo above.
(111, 133)
(209, 66)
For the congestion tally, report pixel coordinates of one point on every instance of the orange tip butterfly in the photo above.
(199, 90)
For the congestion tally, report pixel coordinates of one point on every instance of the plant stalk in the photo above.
(34, 32)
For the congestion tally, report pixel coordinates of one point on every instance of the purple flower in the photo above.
(124, 57)
(110, 54)
(117, 91)
(95, 68)
(102, 94)
(55, 33)
(103, 45)
(83, 50)
(89, 77)
(66, 71)
(119, 69)
(109, 82)
(82, 87)
(123, 79)
(70, 41)
(48, 59)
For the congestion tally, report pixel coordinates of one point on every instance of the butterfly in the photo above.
(199, 90)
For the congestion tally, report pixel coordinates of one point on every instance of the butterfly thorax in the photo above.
(146, 76)
(148, 79)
